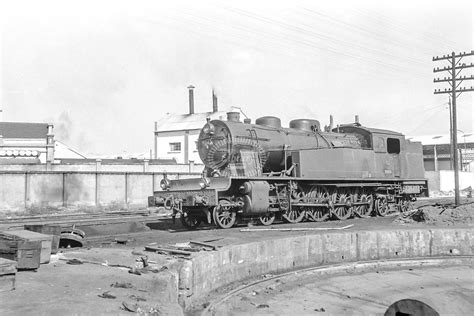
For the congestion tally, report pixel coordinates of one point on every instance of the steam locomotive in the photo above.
(263, 171)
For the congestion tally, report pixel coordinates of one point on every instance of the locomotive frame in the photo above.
(263, 172)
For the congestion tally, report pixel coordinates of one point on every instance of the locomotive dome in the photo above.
(305, 125)
(270, 121)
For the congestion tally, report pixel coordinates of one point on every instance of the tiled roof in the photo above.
(23, 130)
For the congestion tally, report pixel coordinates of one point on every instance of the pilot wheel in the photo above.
(223, 214)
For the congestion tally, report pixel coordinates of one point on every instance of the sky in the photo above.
(104, 71)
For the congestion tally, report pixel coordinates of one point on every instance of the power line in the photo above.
(401, 116)
(360, 29)
(203, 29)
(311, 33)
(426, 120)
(397, 26)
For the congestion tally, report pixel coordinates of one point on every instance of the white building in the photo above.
(176, 135)
(63, 151)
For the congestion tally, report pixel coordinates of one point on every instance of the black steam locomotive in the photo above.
(265, 171)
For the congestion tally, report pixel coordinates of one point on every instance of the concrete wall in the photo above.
(24, 192)
(446, 179)
(13, 191)
(210, 270)
(63, 187)
(433, 180)
(443, 180)
(116, 167)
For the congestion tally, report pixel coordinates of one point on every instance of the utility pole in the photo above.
(454, 69)
(451, 154)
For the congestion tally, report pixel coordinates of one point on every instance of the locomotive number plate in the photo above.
(411, 189)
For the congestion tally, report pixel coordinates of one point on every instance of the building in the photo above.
(22, 142)
(437, 151)
(63, 151)
(31, 143)
(176, 135)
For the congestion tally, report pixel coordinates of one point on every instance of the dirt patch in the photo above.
(439, 215)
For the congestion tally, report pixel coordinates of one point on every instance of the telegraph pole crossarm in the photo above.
(450, 69)
(448, 57)
(439, 91)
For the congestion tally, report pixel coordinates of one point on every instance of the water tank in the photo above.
(305, 125)
(270, 121)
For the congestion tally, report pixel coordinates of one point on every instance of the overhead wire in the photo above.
(379, 17)
(425, 120)
(308, 44)
(401, 116)
(204, 26)
(339, 51)
(370, 32)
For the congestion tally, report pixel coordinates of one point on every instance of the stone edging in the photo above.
(207, 271)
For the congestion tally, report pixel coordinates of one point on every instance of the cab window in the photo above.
(393, 145)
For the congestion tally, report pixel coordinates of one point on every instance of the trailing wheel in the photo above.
(381, 206)
(267, 219)
(190, 221)
(343, 210)
(405, 206)
(223, 215)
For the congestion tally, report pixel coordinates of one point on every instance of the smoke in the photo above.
(63, 127)
(66, 131)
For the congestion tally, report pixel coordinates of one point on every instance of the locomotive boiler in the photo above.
(265, 171)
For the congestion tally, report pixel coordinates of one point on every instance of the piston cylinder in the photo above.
(256, 201)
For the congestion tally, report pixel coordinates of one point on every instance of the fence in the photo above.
(22, 191)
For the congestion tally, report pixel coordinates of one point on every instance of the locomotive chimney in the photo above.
(357, 119)
(233, 116)
(214, 102)
(191, 99)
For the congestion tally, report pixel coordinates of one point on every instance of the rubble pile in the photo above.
(439, 215)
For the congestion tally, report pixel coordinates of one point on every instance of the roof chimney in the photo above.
(191, 99)
(214, 102)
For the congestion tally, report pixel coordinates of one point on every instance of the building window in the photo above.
(175, 146)
(393, 145)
